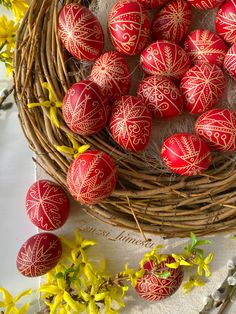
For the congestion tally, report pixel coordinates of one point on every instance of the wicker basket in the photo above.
(152, 201)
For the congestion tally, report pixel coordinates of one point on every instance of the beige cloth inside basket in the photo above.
(185, 123)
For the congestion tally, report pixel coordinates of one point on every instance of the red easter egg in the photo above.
(153, 288)
(111, 72)
(166, 59)
(205, 46)
(85, 109)
(80, 32)
(230, 62)
(152, 4)
(202, 87)
(131, 123)
(162, 98)
(91, 177)
(39, 254)
(172, 22)
(217, 127)
(226, 21)
(129, 27)
(47, 205)
(186, 154)
(205, 4)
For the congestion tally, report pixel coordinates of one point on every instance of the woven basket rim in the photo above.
(154, 202)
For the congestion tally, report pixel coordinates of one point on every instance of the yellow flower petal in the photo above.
(53, 116)
(22, 294)
(18, 8)
(7, 297)
(209, 258)
(8, 30)
(188, 286)
(199, 283)
(52, 289)
(172, 265)
(38, 104)
(83, 148)
(85, 295)
(86, 243)
(92, 308)
(56, 303)
(24, 309)
(75, 253)
(11, 309)
(65, 149)
(207, 271)
(51, 94)
(100, 296)
(184, 263)
(76, 306)
(58, 104)
(199, 269)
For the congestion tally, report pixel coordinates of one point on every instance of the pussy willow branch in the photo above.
(222, 297)
(5, 94)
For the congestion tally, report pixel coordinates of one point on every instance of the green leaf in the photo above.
(234, 237)
(194, 239)
(203, 242)
(69, 270)
(199, 252)
(59, 275)
(164, 275)
(187, 249)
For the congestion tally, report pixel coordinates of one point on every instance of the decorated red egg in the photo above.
(161, 96)
(131, 123)
(129, 27)
(172, 22)
(202, 87)
(91, 177)
(39, 254)
(85, 109)
(230, 62)
(152, 4)
(80, 32)
(205, 4)
(111, 72)
(152, 286)
(226, 21)
(186, 154)
(47, 205)
(205, 46)
(217, 127)
(166, 59)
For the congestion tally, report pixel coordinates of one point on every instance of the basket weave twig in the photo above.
(172, 206)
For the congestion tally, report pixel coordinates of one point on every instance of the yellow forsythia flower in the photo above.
(193, 282)
(8, 30)
(18, 8)
(53, 104)
(203, 264)
(9, 302)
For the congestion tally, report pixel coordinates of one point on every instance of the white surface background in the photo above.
(17, 173)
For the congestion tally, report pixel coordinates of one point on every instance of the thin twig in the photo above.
(6, 94)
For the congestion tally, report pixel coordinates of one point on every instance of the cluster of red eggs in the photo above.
(187, 77)
(47, 206)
